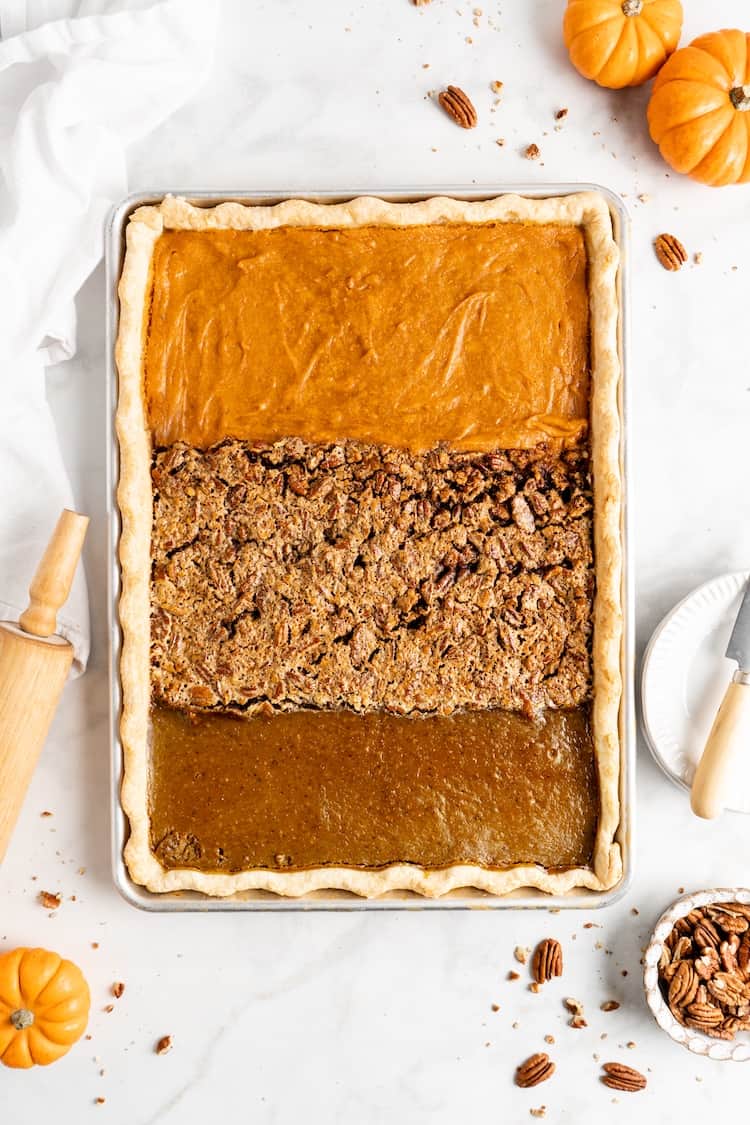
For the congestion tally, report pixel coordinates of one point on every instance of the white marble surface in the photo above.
(355, 1018)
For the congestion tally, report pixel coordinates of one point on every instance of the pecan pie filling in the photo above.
(372, 554)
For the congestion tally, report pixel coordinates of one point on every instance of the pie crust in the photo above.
(590, 212)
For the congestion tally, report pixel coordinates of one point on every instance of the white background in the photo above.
(387, 1017)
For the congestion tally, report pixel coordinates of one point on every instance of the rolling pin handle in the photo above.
(54, 575)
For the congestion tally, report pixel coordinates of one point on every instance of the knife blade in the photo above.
(738, 647)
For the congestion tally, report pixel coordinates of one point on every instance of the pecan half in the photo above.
(618, 1076)
(743, 956)
(459, 106)
(729, 922)
(670, 251)
(537, 1068)
(703, 1015)
(547, 961)
(683, 986)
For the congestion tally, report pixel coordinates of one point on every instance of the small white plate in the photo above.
(685, 675)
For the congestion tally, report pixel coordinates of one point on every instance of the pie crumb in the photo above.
(99, 1101)
(49, 901)
(698, 257)
(496, 86)
(539, 1112)
(550, 1039)
(500, 141)
(521, 954)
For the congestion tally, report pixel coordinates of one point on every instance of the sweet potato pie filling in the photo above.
(372, 556)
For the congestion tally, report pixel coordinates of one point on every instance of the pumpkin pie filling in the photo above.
(372, 579)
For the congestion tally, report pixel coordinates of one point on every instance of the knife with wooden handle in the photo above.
(730, 733)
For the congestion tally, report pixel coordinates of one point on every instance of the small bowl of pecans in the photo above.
(697, 973)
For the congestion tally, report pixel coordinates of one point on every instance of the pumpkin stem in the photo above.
(740, 97)
(632, 7)
(21, 1018)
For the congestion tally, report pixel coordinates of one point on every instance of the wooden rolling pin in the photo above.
(34, 665)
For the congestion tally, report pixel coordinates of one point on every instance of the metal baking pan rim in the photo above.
(190, 901)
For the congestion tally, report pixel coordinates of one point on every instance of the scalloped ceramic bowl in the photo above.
(736, 1050)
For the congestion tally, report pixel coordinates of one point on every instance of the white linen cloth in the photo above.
(74, 92)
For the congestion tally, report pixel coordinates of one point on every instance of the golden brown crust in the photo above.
(585, 209)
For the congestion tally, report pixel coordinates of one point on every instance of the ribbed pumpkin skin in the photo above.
(55, 992)
(691, 115)
(615, 49)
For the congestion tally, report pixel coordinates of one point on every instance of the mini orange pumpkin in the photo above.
(699, 113)
(621, 42)
(44, 1007)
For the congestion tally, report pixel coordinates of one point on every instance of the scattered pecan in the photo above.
(117, 989)
(618, 1076)
(458, 106)
(548, 957)
(670, 251)
(532, 152)
(50, 901)
(561, 113)
(537, 1068)
(610, 1006)
(164, 1045)
(521, 954)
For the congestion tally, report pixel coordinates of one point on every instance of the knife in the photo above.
(730, 733)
